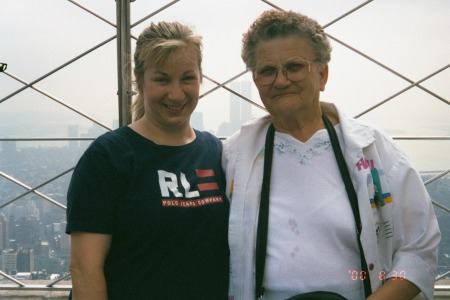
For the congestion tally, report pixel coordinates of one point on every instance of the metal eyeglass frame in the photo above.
(284, 71)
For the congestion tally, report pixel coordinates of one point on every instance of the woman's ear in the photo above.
(323, 77)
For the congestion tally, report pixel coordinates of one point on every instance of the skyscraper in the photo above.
(9, 261)
(25, 260)
(4, 232)
(240, 109)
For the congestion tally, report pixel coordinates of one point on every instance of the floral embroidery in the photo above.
(303, 157)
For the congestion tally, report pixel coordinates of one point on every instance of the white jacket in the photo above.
(400, 233)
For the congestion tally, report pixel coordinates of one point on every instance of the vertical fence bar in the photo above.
(124, 60)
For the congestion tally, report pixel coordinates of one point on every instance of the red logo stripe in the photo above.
(208, 186)
(205, 173)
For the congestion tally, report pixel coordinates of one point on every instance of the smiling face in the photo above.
(171, 90)
(285, 99)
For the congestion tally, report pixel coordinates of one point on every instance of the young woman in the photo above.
(146, 209)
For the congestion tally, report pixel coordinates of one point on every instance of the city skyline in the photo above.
(390, 54)
(380, 55)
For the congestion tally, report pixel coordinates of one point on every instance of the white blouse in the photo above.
(312, 242)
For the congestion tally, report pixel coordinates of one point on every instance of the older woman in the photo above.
(147, 211)
(319, 201)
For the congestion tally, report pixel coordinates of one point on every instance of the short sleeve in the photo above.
(93, 193)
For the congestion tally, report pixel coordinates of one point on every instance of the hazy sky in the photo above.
(409, 36)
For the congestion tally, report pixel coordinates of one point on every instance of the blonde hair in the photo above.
(154, 46)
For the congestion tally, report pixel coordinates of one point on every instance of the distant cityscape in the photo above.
(33, 243)
(240, 111)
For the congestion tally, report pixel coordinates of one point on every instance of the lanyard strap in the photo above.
(352, 197)
(263, 217)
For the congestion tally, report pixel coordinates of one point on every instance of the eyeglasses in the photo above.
(293, 71)
(3, 67)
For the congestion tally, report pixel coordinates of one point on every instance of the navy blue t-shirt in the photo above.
(166, 210)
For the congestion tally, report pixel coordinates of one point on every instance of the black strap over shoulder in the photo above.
(345, 174)
(263, 218)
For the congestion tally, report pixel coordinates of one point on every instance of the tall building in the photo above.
(235, 107)
(9, 261)
(240, 109)
(64, 241)
(4, 232)
(2, 241)
(246, 107)
(26, 232)
(25, 260)
(31, 211)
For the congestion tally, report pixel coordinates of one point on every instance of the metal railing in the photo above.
(123, 38)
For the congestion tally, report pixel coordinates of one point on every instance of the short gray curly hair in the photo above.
(273, 24)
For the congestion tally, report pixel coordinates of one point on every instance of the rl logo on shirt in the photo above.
(169, 183)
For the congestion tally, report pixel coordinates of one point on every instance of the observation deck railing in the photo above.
(9, 285)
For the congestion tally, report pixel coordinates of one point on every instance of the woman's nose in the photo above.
(176, 92)
(281, 77)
